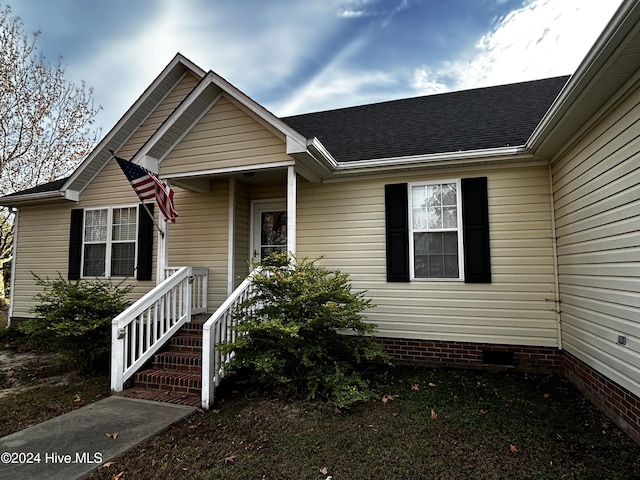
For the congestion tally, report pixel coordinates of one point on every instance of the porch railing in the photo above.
(219, 328)
(198, 287)
(143, 328)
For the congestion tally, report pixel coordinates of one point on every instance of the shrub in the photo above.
(303, 332)
(74, 318)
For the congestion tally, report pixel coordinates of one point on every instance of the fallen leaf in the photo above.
(113, 435)
(119, 476)
(324, 470)
(432, 384)
(546, 395)
(195, 425)
(229, 458)
(386, 398)
(434, 415)
(108, 464)
(483, 412)
(78, 399)
(513, 448)
(415, 387)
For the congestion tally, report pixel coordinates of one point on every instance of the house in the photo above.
(497, 227)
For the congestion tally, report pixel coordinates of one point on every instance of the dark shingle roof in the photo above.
(481, 118)
(44, 188)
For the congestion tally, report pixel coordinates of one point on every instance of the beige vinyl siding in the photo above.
(159, 115)
(200, 236)
(597, 207)
(224, 137)
(42, 248)
(345, 223)
(43, 236)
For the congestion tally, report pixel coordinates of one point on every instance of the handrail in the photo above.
(198, 288)
(220, 328)
(143, 328)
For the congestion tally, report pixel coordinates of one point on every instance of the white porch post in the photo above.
(292, 199)
(231, 251)
(163, 246)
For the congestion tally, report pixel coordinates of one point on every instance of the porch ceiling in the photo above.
(250, 177)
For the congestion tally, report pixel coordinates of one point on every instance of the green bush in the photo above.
(74, 318)
(303, 332)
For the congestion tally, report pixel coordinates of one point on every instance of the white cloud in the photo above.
(428, 83)
(338, 84)
(253, 59)
(544, 38)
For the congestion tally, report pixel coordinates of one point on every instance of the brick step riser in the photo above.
(175, 361)
(179, 383)
(185, 343)
(192, 327)
(176, 370)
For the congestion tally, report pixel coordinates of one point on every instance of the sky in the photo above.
(300, 56)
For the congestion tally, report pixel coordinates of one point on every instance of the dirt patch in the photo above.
(20, 371)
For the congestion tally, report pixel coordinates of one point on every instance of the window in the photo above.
(109, 242)
(435, 238)
(426, 247)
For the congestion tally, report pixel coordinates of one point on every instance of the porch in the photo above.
(163, 346)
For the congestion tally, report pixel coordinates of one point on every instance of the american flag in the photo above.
(148, 187)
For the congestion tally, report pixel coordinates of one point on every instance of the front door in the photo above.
(269, 229)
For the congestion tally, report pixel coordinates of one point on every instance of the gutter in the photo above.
(14, 201)
(448, 159)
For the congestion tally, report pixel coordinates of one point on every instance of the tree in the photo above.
(45, 121)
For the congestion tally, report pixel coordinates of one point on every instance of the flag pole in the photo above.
(144, 205)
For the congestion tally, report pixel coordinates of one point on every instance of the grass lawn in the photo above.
(425, 423)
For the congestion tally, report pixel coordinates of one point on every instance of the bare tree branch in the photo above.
(46, 122)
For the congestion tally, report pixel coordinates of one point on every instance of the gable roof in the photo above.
(131, 120)
(477, 119)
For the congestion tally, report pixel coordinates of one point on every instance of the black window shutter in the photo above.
(475, 221)
(145, 243)
(397, 232)
(75, 243)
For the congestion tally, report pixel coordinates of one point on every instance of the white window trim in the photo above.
(109, 241)
(460, 276)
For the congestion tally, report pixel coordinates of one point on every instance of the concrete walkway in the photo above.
(72, 445)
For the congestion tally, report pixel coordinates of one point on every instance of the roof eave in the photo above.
(598, 57)
(37, 198)
(435, 160)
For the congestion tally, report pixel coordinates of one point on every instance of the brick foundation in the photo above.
(434, 353)
(620, 405)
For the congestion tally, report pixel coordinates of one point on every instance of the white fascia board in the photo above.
(417, 160)
(149, 162)
(72, 195)
(324, 156)
(175, 115)
(41, 197)
(598, 56)
(229, 170)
